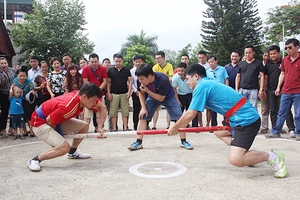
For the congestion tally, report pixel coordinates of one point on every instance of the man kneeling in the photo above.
(56, 116)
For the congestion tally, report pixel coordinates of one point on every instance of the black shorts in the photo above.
(245, 135)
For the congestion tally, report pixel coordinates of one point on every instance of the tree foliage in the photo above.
(140, 50)
(287, 15)
(230, 24)
(142, 39)
(55, 28)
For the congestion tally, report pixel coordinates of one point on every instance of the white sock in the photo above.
(272, 156)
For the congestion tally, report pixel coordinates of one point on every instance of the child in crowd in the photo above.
(16, 111)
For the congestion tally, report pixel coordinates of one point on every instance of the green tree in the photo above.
(171, 56)
(143, 40)
(230, 24)
(55, 28)
(285, 15)
(140, 50)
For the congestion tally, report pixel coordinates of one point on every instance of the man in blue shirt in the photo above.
(160, 92)
(242, 116)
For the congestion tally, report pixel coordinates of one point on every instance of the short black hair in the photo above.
(274, 47)
(292, 40)
(212, 56)
(34, 58)
(66, 54)
(160, 53)
(90, 89)
(23, 68)
(93, 55)
(185, 55)
(144, 69)
(202, 52)
(137, 56)
(105, 60)
(182, 64)
(195, 69)
(236, 51)
(250, 46)
(117, 55)
(54, 59)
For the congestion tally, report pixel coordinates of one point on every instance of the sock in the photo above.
(139, 141)
(36, 158)
(72, 150)
(183, 140)
(272, 156)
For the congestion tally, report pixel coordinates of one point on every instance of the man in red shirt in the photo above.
(97, 74)
(289, 88)
(56, 116)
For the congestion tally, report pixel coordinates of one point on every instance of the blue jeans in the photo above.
(251, 95)
(285, 106)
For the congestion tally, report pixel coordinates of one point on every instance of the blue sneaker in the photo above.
(135, 146)
(186, 146)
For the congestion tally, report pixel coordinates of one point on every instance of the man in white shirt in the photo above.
(35, 68)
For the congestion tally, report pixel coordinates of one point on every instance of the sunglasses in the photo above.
(288, 47)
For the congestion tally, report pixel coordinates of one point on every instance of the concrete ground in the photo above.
(162, 170)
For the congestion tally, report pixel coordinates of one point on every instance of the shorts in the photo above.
(171, 104)
(17, 121)
(119, 100)
(90, 113)
(244, 135)
(49, 135)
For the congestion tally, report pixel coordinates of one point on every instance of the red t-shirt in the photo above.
(60, 109)
(291, 75)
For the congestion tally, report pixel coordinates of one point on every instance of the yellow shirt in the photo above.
(167, 69)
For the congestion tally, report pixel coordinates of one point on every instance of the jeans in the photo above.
(251, 95)
(274, 102)
(285, 106)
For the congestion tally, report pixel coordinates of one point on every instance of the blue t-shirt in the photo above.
(27, 86)
(219, 74)
(220, 98)
(16, 107)
(181, 85)
(161, 85)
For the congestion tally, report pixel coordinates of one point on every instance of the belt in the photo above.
(40, 113)
(234, 108)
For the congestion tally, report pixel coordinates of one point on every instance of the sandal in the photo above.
(31, 135)
(22, 137)
(15, 137)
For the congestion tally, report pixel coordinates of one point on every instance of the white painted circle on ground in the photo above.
(157, 169)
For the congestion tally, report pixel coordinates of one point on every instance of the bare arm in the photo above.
(280, 83)
(129, 87)
(237, 81)
(226, 81)
(103, 84)
(85, 80)
(183, 121)
(154, 95)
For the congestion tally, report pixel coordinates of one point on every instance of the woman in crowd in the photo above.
(82, 63)
(28, 88)
(7, 76)
(41, 86)
(56, 78)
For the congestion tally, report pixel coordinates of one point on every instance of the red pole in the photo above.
(194, 129)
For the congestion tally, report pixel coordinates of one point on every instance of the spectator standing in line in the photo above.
(247, 81)
(272, 72)
(232, 68)
(137, 61)
(106, 65)
(289, 87)
(41, 86)
(94, 73)
(166, 68)
(264, 101)
(119, 91)
(7, 75)
(56, 78)
(35, 68)
(82, 63)
(67, 60)
(219, 74)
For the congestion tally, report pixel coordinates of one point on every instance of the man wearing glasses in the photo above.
(290, 90)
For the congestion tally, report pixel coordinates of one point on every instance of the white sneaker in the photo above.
(78, 155)
(34, 165)
(292, 134)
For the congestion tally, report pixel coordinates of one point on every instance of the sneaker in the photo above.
(292, 134)
(186, 145)
(135, 146)
(280, 170)
(153, 128)
(297, 137)
(78, 155)
(34, 165)
(272, 135)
